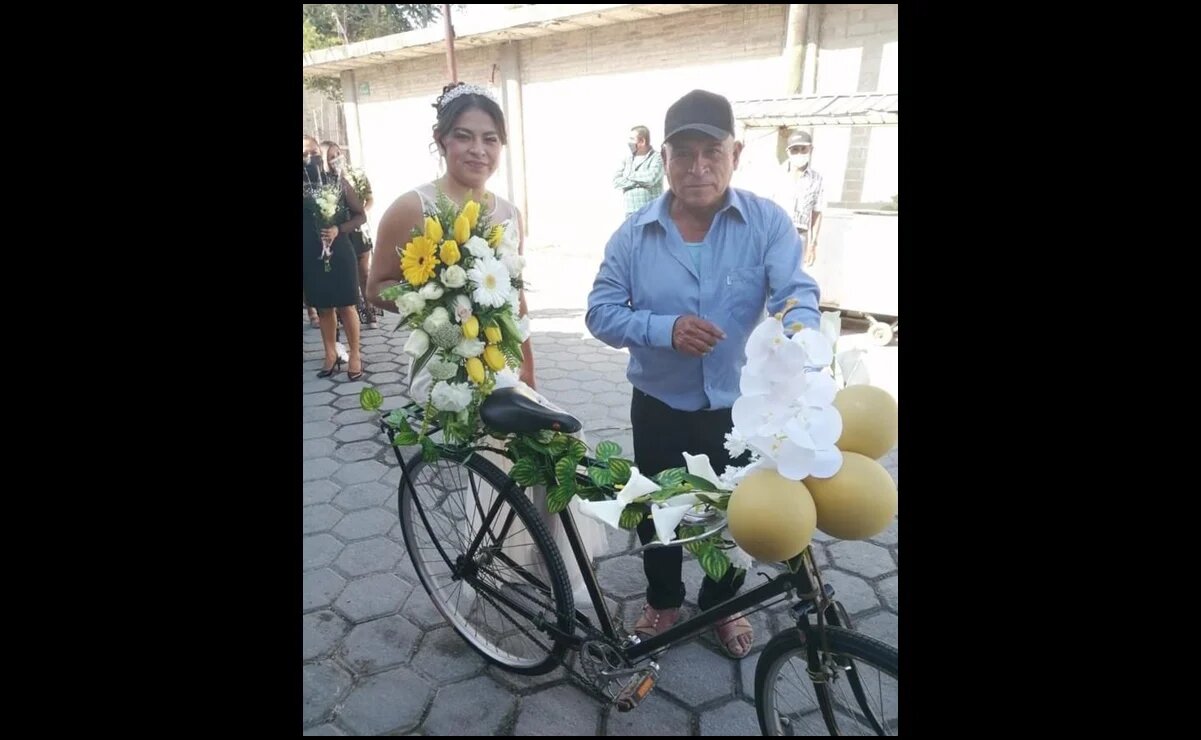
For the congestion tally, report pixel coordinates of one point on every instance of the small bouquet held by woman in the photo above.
(324, 201)
(459, 295)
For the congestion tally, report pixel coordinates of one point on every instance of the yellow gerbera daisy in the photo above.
(419, 261)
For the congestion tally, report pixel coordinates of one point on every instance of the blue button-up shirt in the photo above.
(751, 259)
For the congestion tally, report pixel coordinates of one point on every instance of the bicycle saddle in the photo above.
(516, 410)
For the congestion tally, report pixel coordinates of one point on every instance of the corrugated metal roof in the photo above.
(854, 109)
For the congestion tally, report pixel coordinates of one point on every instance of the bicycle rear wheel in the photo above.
(514, 579)
(857, 697)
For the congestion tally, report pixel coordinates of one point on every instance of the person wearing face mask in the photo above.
(802, 193)
(335, 289)
(337, 161)
(639, 177)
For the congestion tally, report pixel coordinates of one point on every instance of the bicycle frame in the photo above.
(798, 581)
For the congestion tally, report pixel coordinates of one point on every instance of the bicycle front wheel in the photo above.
(856, 693)
(487, 561)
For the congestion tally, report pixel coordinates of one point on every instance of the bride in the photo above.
(470, 133)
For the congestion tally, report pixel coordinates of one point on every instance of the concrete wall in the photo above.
(583, 90)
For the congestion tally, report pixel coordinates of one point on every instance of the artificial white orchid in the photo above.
(847, 366)
(819, 350)
(786, 413)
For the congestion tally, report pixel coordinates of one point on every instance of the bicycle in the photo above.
(481, 549)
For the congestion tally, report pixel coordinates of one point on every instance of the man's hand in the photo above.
(695, 337)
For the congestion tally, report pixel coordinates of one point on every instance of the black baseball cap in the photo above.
(702, 111)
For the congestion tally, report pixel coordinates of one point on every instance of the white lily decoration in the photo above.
(638, 485)
(609, 512)
(668, 516)
(700, 466)
(606, 512)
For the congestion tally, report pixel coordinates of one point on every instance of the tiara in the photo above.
(464, 89)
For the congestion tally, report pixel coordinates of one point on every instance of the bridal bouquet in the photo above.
(459, 296)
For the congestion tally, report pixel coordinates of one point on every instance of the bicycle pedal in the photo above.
(636, 689)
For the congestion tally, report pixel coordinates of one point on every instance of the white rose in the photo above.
(411, 303)
(479, 248)
(431, 291)
(470, 348)
(454, 277)
(523, 325)
(418, 343)
(453, 397)
(438, 317)
(461, 305)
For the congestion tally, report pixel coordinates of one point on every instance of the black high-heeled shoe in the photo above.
(353, 376)
(325, 373)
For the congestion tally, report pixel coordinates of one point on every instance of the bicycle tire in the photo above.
(863, 651)
(552, 592)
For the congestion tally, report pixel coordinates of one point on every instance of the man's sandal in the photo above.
(728, 632)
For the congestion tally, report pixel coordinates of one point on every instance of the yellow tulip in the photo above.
(471, 210)
(462, 229)
(475, 370)
(494, 357)
(471, 328)
(492, 333)
(433, 229)
(495, 235)
(450, 252)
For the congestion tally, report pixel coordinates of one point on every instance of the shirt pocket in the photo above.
(745, 293)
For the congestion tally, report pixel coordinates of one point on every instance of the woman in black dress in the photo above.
(336, 161)
(338, 286)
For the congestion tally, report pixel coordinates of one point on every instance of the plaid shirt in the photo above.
(640, 179)
(800, 196)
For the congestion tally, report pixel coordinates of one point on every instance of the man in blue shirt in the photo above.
(684, 282)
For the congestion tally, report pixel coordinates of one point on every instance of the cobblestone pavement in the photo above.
(377, 656)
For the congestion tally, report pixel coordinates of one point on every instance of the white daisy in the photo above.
(491, 280)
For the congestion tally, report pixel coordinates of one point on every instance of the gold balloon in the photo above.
(869, 420)
(860, 501)
(771, 517)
